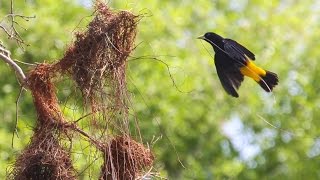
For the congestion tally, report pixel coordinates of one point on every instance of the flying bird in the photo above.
(233, 61)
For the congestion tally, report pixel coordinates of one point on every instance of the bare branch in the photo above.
(5, 56)
(11, 28)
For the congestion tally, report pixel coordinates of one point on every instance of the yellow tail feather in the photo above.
(253, 71)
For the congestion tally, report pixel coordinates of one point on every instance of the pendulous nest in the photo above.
(125, 158)
(44, 159)
(97, 59)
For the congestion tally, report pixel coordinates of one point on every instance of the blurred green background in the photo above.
(214, 135)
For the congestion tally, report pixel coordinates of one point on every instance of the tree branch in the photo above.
(11, 28)
(5, 56)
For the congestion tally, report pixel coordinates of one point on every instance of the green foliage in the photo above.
(213, 134)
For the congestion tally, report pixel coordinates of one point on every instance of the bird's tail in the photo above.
(268, 81)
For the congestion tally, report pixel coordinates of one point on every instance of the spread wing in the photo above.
(236, 51)
(230, 77)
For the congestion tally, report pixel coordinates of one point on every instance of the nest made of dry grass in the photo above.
(124, 159)
(44, 158)
(97, 59)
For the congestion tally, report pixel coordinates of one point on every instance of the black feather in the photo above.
(228, 73)
(236, 51)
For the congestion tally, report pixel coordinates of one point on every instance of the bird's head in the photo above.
(212, 38)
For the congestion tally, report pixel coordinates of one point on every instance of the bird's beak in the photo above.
(201, 37)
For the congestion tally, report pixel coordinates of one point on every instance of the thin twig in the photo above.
(15, 32)
(15, 131)
(10, 35)
(6, 31)
(25, 63)
(26, 18)
(172, 145)
(74, 127)
(83, 117)
(11, 28)
(164, 63)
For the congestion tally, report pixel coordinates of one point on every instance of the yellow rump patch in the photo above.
(252, 71)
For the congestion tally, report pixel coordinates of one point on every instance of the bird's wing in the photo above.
(237, 52)
(230, 78)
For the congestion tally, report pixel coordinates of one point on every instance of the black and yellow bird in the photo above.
(233, 61)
